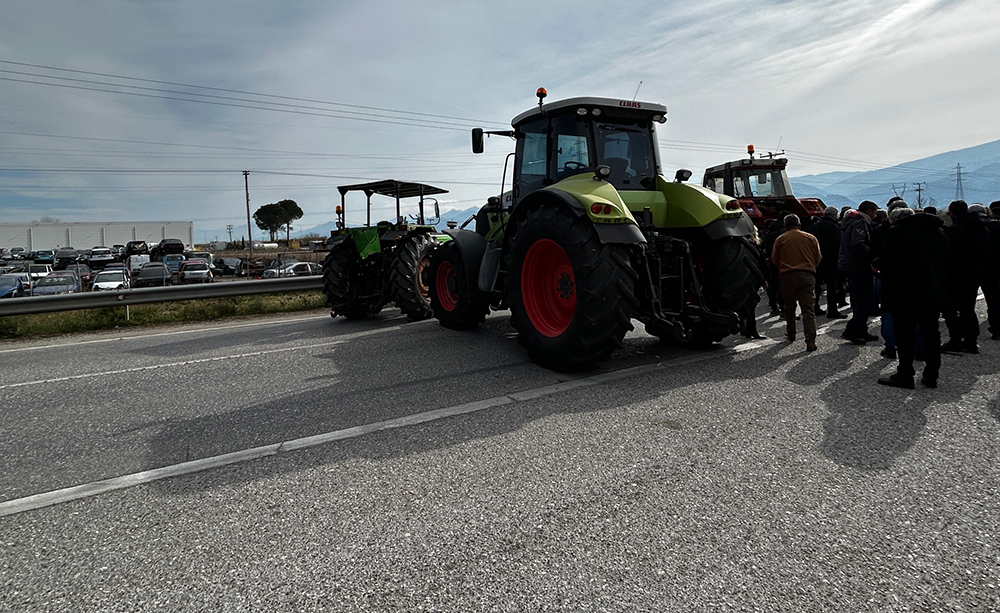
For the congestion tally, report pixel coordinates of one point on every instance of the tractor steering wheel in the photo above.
(573, 165)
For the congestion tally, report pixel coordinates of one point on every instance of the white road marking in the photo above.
(340, 339)
(86, 490)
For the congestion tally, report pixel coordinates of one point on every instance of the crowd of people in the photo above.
(912, 267)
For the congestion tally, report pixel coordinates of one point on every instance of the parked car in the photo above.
(134, 262)
(173, 261)
(194, 271)
(136, 248)
(84, 272)
(58, 282)
(152, 274)
(16, 253)
(12, 286)
(231, 267)
(37, 271)
(167, 246)
(110, 279)
(297, 269)
(100, 257)
(26, 279)
(64, 257)
(119, 266)
(43, 256)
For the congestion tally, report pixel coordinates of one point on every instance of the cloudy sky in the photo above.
(149, 110)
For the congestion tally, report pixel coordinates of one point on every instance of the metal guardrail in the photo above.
(149, 295)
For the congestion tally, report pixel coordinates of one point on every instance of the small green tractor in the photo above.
(591, 235)
(372, 265)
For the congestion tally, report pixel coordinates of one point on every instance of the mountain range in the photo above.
(938, 176)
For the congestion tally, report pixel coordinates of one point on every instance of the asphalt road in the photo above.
(300, 463)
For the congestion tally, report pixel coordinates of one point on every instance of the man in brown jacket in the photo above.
(797, 254)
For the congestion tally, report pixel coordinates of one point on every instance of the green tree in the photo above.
(271, 217)
(293, 211)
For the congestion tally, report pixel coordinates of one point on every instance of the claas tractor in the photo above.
(591, 235)
(761, 187)
(370, 266)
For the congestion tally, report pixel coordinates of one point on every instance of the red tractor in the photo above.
(761, 187)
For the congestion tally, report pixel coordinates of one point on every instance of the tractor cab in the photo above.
(578, 135)
(761, 187)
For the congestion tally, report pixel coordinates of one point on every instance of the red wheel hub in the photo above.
(446, 285)
(548, 288)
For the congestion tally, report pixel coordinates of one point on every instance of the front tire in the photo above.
(408, 278)
(571, 297)
(450, 290)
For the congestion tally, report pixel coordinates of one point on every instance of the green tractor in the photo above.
(591, 235)
(370, 266)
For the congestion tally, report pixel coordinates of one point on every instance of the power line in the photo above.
(242, 92)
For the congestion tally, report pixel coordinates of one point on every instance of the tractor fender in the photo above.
(472, 247)
(735, 226)
(622, 233)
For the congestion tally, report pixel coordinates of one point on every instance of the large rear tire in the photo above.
(341, 281)
(408, 278)
(571, 297)
(450, 290)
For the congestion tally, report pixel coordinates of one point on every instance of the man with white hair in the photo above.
(826, 229)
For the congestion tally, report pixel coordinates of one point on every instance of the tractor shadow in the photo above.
(395, 394)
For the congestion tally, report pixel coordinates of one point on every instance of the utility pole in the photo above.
(959, 192)
(920, 193)
(246, 182)
(900, 192)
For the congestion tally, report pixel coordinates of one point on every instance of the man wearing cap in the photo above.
(797, 254)
(855, 262)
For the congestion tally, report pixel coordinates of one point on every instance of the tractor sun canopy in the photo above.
(391, 188)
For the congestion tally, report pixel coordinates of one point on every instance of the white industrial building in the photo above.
(87, 234)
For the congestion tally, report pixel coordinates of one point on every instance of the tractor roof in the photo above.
(393, 189)
(748, 163)
(611, 106)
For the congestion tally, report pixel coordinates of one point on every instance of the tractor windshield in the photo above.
(760, 183)
(628, 150)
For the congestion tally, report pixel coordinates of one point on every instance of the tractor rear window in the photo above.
(628, 151)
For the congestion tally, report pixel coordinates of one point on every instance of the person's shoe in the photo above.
(919, 356)
(819, 311)
(857, 340)
(995, 337)
(790, 336)
(810, 346)
(888, 352)
(897, 381)
(952, 347)
(835, 315)
(775, 312)
(973, 348)
(928, 382)
(870, 337)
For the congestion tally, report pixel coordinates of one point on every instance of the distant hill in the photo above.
(938, 173)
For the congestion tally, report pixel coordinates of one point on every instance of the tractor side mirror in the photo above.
(683, 174)
(477, 140)
(493, 204)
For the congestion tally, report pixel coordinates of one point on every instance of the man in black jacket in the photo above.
(827, 232)
(855, 261)
(914, 264)
(991, 275)
(970, 247)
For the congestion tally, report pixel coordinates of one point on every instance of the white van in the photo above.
(135, 262)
